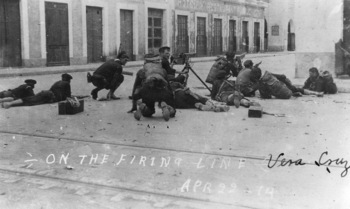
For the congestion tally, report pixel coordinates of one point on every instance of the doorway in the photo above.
(10, 34)
(57, 33)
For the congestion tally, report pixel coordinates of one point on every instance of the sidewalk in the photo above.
(14, 72)
(342, 83)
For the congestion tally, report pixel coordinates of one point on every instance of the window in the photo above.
(155, 29)
(275, 30)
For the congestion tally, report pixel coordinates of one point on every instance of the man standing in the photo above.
(108, 76)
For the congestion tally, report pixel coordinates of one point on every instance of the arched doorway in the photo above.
(266, 37)
(291, 36)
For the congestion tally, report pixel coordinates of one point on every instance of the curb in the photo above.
(81, 68)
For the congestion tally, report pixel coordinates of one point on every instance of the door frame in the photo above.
(167, 22)
(258, 46)
(206, 16)
(236, 34)
(222, 35)
(105, 20)
(176, 32)
(43, 26)
(135, 26)
(103, 54)
(21, 34)
(245, 48)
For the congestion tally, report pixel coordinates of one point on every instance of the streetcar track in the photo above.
(127, 145)
(104, 186)
(146, 147)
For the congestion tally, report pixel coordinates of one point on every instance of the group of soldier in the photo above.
(24, 95)
(157, 83)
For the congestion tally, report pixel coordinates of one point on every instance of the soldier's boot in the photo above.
(221, 108)
(16, 102)
(94, 93)
(309, 92)
(236, 97)
(89, 77)
(138, 112)
(167, 111)
(320, 94)
(246, 103)
(204, 107)
(111, 96)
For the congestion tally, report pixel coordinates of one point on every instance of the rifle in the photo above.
(257, 64)
(344, 50)
(120, 49)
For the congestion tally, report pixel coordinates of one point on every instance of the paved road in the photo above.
(103, 158)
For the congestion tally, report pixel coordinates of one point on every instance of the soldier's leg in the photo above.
(5, 94)
(309, 92)
(167, 111)
(148, 109)
(16, 102)
(264, 91)
(182, 78)
(188, 99)
(287, 82)
(280, 90)
(271, 86)
(7, 99)
(117, 80)
(145, 108)
(137, 83)
(100, 82)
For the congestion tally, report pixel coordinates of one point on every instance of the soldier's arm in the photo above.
(68, 91)
(30, 91)
(307, 84)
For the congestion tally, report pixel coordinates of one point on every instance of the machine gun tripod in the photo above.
(184, 58)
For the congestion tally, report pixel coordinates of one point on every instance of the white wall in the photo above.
(318, 24)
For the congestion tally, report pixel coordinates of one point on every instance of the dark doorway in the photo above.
(245, 36)
(346, 29)
(345, 44)
(155, 28)
(182, 35)
(201, 37)
(232, 36)
(256, 37)
(126, 32)
(10, 34)
(291, 37)
(266, 37)
(57, 33)
(217, 39)
(94, 34)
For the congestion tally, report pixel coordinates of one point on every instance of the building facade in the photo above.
(308, 28)
(72, 32)
(212, 27)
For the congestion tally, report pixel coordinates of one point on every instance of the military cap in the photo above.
(66, 76)
(30, 82)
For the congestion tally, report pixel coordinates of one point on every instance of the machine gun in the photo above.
(185, 59)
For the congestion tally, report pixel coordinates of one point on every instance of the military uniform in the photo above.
(171, 72)
(108, 75)
(269, 86)
(22, 91)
